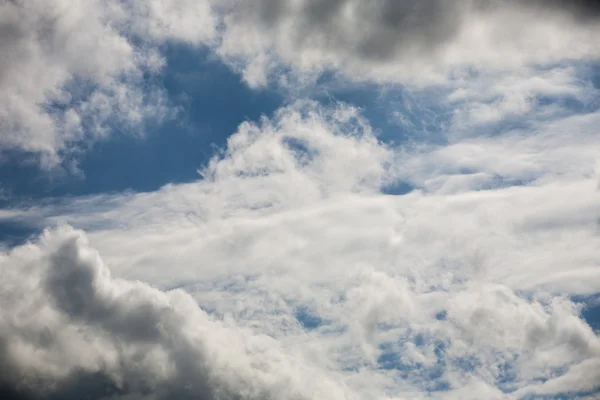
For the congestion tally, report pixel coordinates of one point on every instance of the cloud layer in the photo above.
(78, 331)
(312, 283)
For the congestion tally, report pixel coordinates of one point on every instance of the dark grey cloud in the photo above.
(383, 28)
(584, 9)
(378, 30)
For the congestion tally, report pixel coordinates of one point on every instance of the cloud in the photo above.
(523, 96)
(78, 327)
(70, 328)
(583, 9)
(310, 279)
(402, 41)
(70, 73)
(284, 271)
(56, 103)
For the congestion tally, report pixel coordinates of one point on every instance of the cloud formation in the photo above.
(322, 286)
(289, 270)
(79, 330)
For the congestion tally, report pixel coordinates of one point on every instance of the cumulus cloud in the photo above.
(69, 328)
(71, 72)
(79, 330)
(458, 290)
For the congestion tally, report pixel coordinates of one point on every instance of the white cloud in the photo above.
(516, 96)
(558, 150)
(380, 296)
(70, 69)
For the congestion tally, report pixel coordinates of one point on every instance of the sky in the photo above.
(299, 199)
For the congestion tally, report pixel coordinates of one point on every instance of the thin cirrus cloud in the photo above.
(286, 271)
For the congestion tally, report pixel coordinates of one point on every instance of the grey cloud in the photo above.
(381, 29)
(402, 40)
(134, 341)
(584, 9)
(375, 30)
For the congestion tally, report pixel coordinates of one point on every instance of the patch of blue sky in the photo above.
(213, 100)
(398, 115)
(441, 315)
(506, 380)
(308, 319)
(301, 149)
(14, 233)
(590, 312)
(588, 72)
(429, 378)
(398, 188)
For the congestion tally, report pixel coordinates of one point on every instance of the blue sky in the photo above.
(299, 200)
(213, 101)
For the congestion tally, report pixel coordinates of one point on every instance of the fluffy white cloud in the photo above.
(441, 293)
(71, 71)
